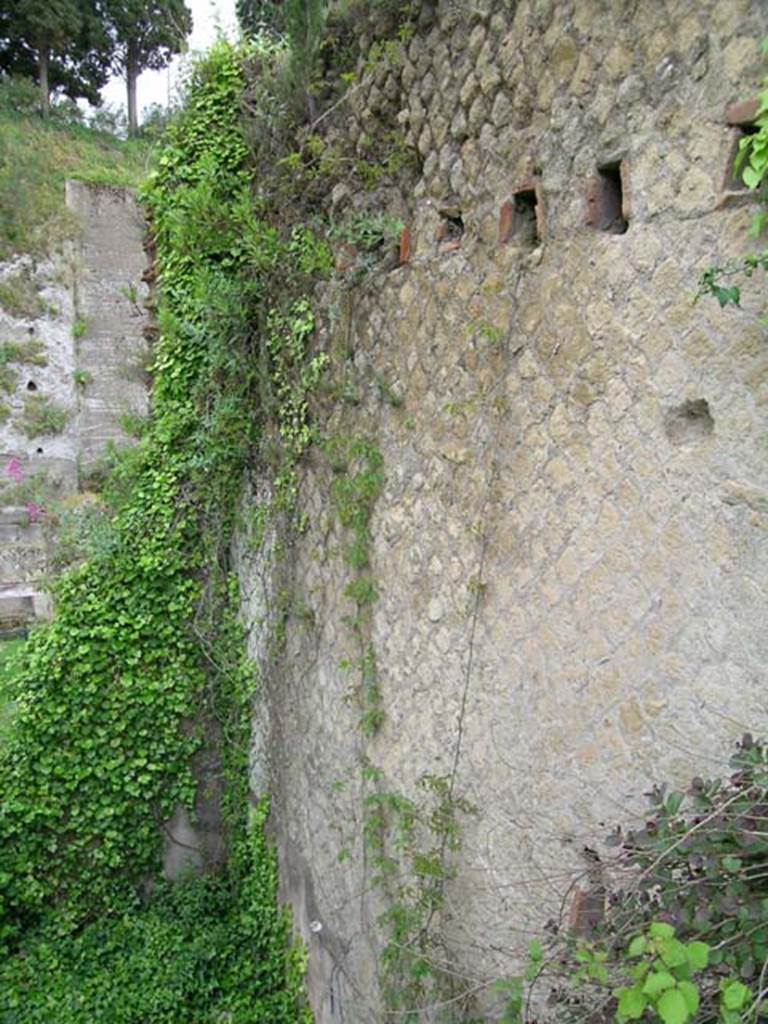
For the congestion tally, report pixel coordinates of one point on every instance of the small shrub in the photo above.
(80, 328)
(7, 379)
(19, 297)
(133, 424)
(42, 416)
(19, 96)
(109, 119)
(370, 231)
(678, 926)
(32, 353)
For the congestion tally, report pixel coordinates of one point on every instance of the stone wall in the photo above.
(72, 344)
(570, 548)
(111, 353)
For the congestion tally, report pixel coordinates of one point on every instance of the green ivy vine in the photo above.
(144, 662)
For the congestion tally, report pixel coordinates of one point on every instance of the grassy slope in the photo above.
(35, 161)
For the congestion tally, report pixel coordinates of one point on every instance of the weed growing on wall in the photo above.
(19, 297)
(359, 478)
(144, 662)
(409, 844)
(752, 166)
(42, 416)
(677, 928)
(31, 353)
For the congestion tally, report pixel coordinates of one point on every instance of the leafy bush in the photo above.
(686, 895)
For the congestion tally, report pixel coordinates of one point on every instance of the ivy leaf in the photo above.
(726, 296)
(751, 177)
(698, 955)
(672, 1007)
(735, 995)
(674, 802)
(632, 1003)
(658, 982)
(690, 994)
(661, 930)
(732, 864)
(673, 953)
(757, 226)
(637, 946)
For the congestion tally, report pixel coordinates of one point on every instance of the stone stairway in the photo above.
(23, 564)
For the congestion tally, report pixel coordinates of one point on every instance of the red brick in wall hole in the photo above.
(743, 112)
(405, 246)
(592, 216)
(506, 220)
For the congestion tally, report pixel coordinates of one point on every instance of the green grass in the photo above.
(19, 297)
(42, 416)
(35, 161)
(8, 650)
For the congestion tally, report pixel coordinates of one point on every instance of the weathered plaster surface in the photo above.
(112, 352)
(90, 337)
(570, 549)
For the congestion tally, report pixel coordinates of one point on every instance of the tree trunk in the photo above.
(131, 75)
(45, 90)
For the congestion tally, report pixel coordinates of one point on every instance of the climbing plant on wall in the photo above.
(752, 166)
(145, 650)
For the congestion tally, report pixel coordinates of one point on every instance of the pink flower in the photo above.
(34, 511)
(15, 470)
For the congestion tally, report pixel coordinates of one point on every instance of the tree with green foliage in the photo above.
(61, 44)
(255, 16)
(146, 34)
(304, 24)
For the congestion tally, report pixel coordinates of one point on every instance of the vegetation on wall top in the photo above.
(33, 217)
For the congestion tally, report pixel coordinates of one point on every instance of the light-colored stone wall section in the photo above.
(71, 344)
(35, 467)
(110, 350)
(43, 368)
(570, 549)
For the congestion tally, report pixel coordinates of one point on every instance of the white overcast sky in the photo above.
(208, 17)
